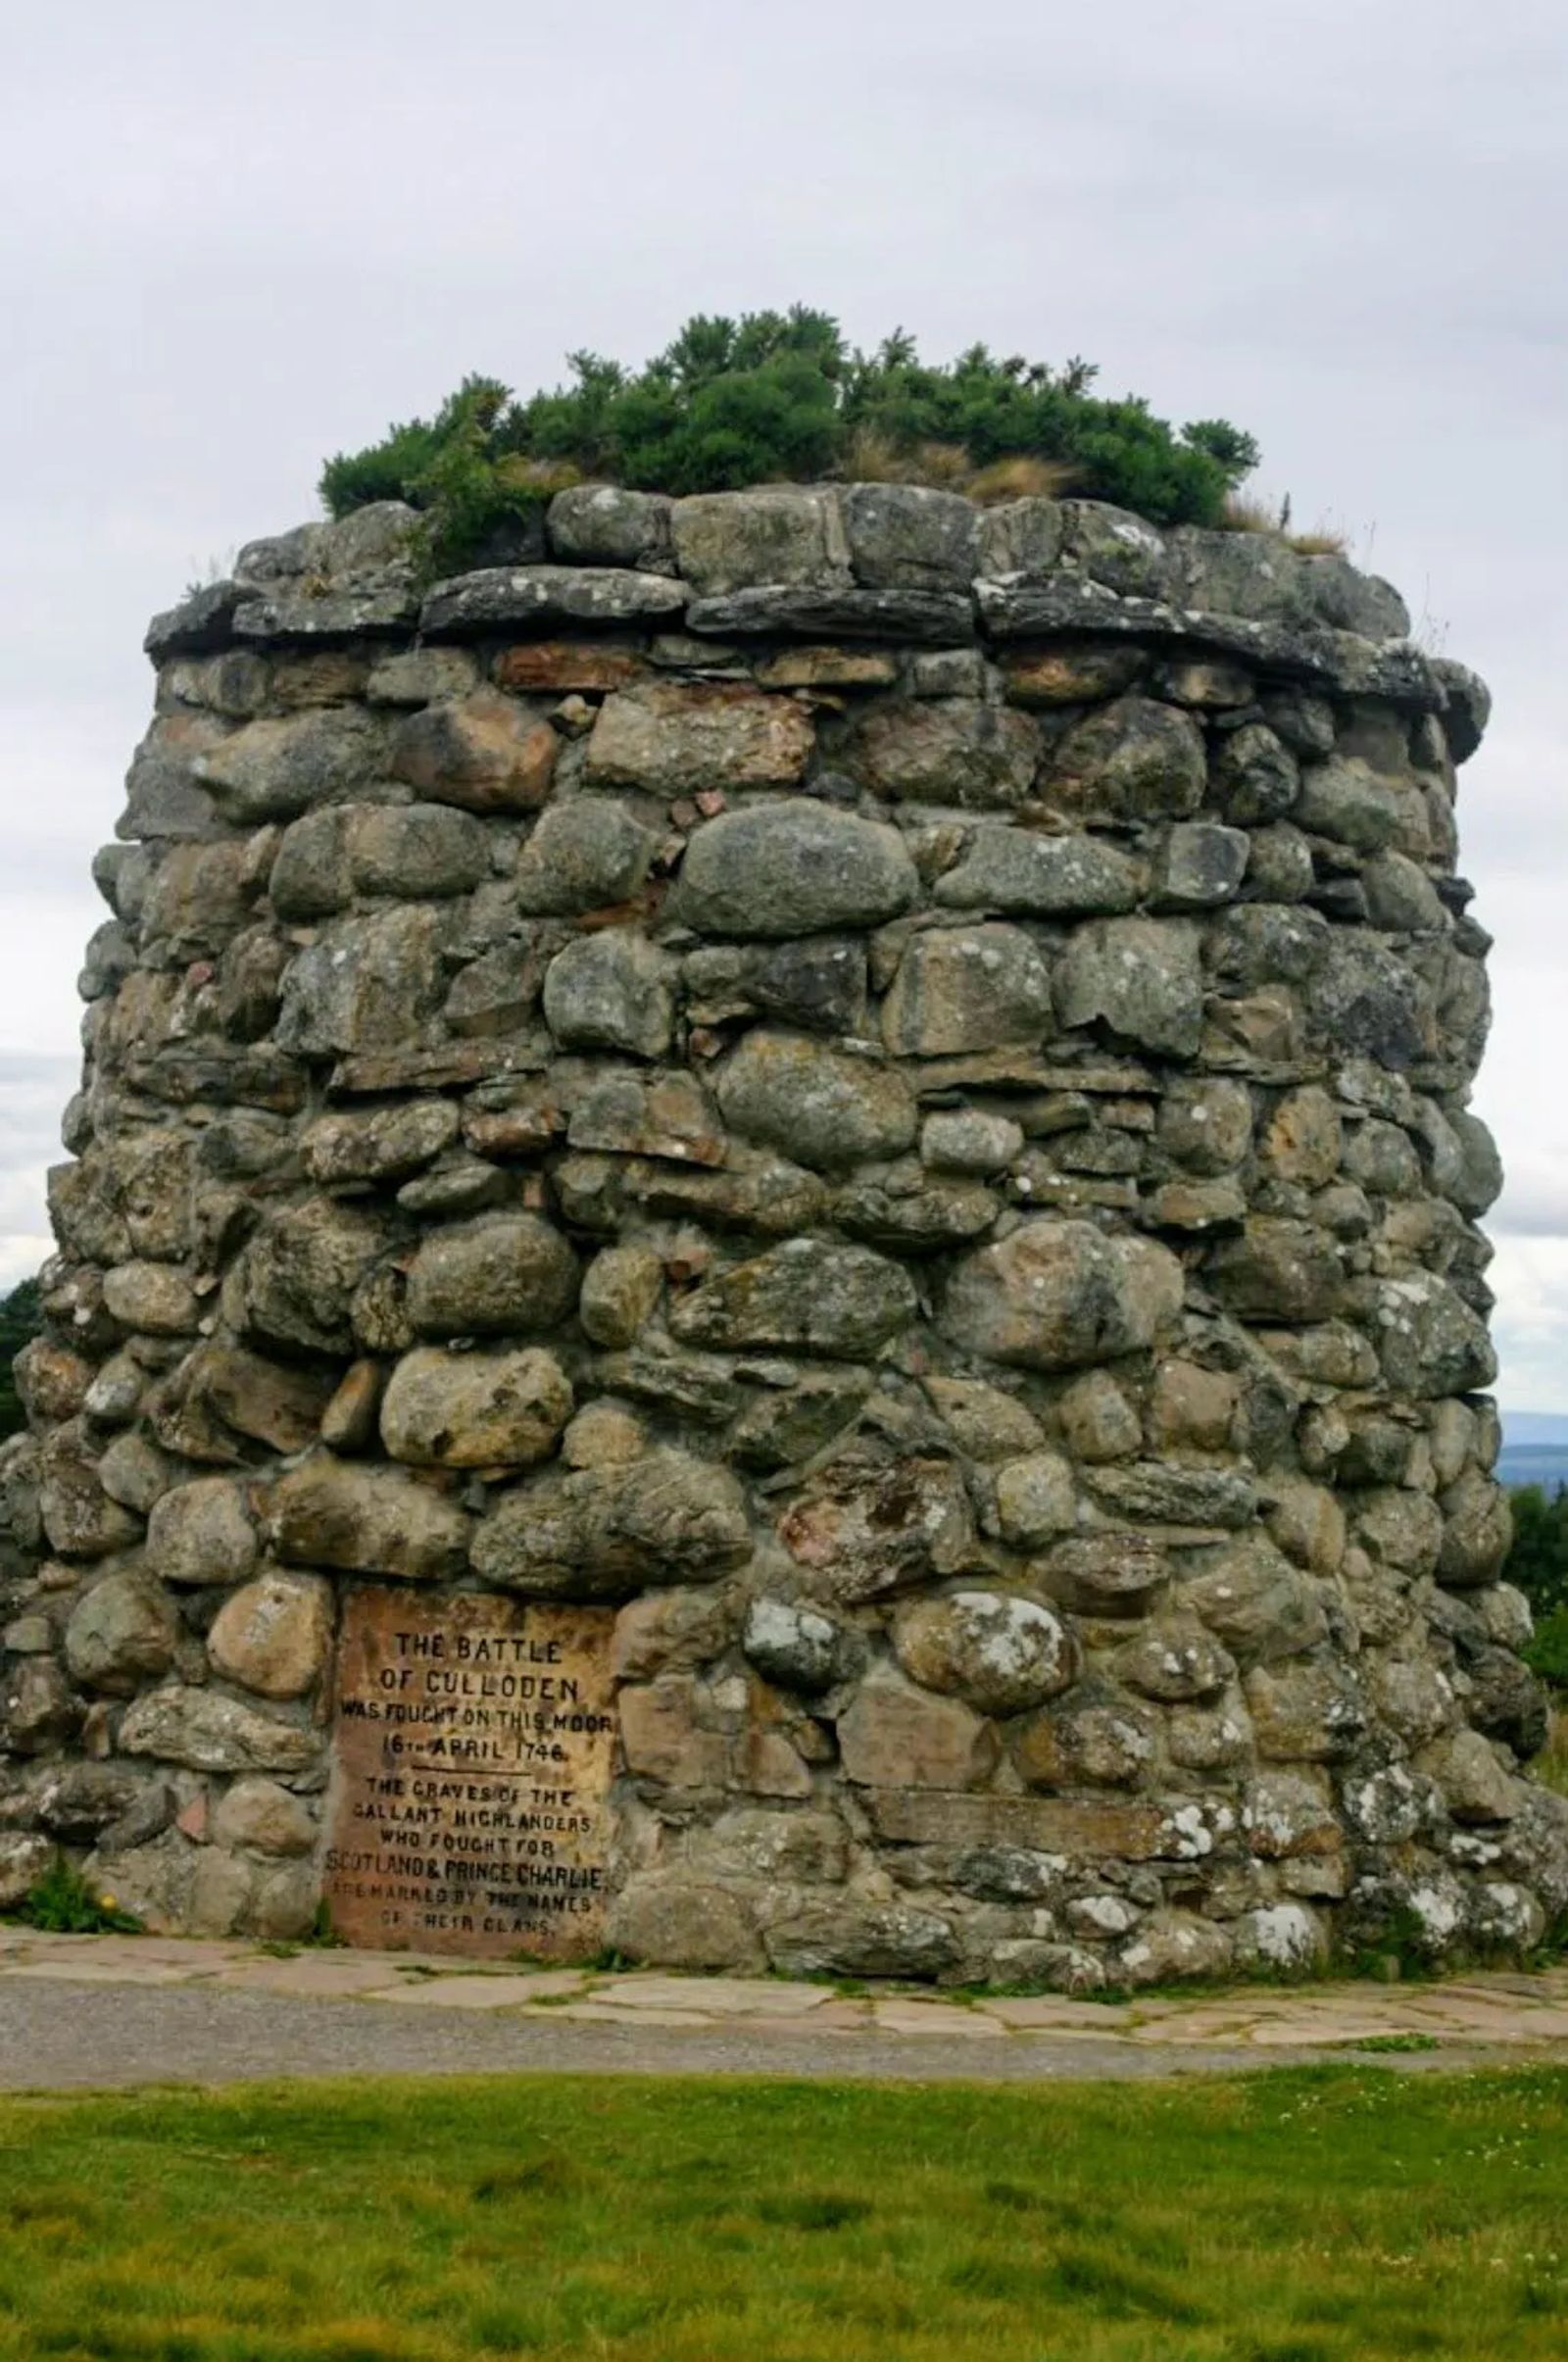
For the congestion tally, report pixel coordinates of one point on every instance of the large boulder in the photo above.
(1036, 1499)
(671, 1920)
(79, 1519)
(1278, 1270)
(795, 869)
(675, 738)
(605, 1533)
(1476, 1530)
(910, 536)
(485, 753)
(122, 1635)
(1028, 875)
(264, 1817)
(1163, 1492)
(1060, 1295)
(795, 1646)
(366, 1520)
(1256, 1602)
(968, 988)
(896, 1735)
(607, 524)
(275, 768)
(412, 850)
(767, 533)
(1305, 1709)
(505, 1273)
(1343, 798)
(948, 751)
(38, 1708)
(386, 1145)
(619, 1290)
(805, 1296)
(476, 1410)
(1140, 977)
(999, 1653)
(295, 1283)
(416, 851)
(274, 1634)
(374, 981)
(824, 1106)
(1174, 1659)
(151, 1299)
(509, 597)
(610, 991)
(1092, 1737)
(1132, 761)
(224, 1399)
(205, 1731)
(1255, 774)
(496, 995)
(1429, 1340)
(818, 982)
(863, 1528)
(583, 855)
(836, 1937)
(24, 1859)
(202, 1534)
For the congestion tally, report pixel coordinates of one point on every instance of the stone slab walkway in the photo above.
(93, 2011)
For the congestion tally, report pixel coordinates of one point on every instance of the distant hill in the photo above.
(1535, 1449)
(1535, 1427)
(1543, 1465)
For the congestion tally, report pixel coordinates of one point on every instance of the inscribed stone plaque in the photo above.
(472, 1752)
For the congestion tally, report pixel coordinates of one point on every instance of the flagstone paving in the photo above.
(79, 2010)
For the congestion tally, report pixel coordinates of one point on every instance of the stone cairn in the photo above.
(879, 1086)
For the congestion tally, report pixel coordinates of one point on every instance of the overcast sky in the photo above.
(229, 245)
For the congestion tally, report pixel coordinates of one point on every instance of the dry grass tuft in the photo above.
(1240, 514)
(945, 466)
(1021, 478)
(542, 476)
(870, 458)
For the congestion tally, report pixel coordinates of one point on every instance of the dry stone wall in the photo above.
(871, 1095)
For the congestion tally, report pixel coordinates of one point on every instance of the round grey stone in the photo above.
(798, 869)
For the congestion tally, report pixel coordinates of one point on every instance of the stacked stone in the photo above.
(880, 1085)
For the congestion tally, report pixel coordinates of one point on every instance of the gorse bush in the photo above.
(1538, 1563)
(1547, 1651)
(780, 397)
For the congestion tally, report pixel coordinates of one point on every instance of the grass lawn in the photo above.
(1295, 2217)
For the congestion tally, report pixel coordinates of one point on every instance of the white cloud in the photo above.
(21, 1251)
(1531, 1321)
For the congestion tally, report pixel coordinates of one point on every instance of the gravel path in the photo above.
(63, 2036)
(83, 2013)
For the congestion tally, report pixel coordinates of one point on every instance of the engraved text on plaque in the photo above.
(473, 1750)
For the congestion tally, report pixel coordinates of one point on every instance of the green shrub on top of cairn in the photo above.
(781, 397)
